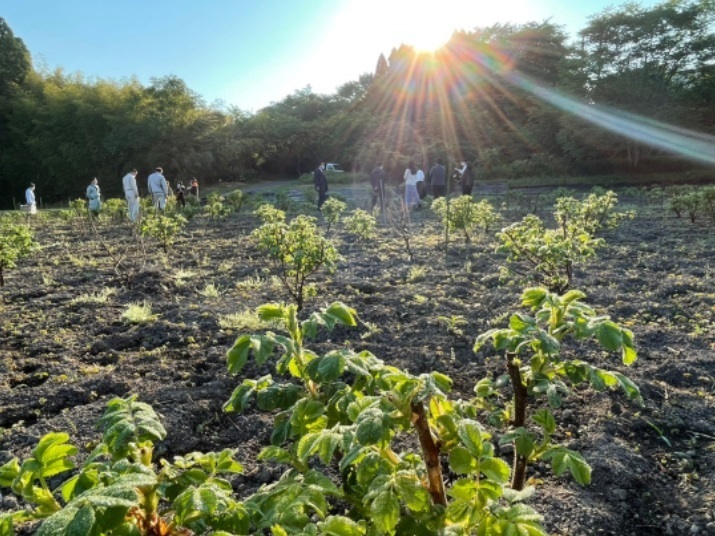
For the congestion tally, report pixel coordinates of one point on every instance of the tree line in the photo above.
(471, 99)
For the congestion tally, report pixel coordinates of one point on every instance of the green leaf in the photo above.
(385, 511)
(631, 389)
(237, 356)
(545, 419)
(83, 522)
(495, 469)
(411, 491)
(571, 296)
(462, 461)
(372, 426)
(534, 297)
(342, 313)
(271, 311)
(610, 336)
(9, 472)
(340, 526)
(327, 368)
(519, 322)
(472, 436)
(563, 459)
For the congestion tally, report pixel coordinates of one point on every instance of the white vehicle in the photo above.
(334, 168)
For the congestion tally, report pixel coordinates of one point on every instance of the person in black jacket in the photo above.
(377, 180)
(320, 181)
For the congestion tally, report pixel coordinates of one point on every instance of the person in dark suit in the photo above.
(320, 181)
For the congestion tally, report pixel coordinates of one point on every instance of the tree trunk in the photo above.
(430, 452)
(518, 476)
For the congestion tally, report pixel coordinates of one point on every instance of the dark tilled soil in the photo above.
(62, 359)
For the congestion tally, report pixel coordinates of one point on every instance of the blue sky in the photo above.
(249, 53)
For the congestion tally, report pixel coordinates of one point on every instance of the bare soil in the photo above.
(61, 359)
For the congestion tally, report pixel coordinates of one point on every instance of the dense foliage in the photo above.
(59, 130)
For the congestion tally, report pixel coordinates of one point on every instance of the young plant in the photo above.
(397, 217)
(296, 249)
(236, 199)
(163, 227)
(537, 364)
(215, 207)
(361, 224)
(332, 209)
(16, 242)
(267, 213)
(465, 215)
(352, 412)
(119, 490)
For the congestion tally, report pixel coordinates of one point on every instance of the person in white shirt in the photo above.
(30, 199)
(94, 196)
(131, 192)
(158, 189)
(412, 197)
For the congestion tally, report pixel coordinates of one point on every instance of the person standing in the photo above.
(158, 189)
(467, 175)
(377, 180)
(94, 196)
(180, 194)
(438, 175)
(412, 197)
(421, 190)
(194, 188)
(30, 199)
(320, 181)
(131, 193)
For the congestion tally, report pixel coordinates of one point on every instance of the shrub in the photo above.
(267, 213)
(119, 490)
(16, 242)
(236, 200)
(361, 224)
(215, 207)
(332, 209)
(533, 346)
(116, 209)
(550, 254)
(465, 214)
(163, 227)
(297, 250)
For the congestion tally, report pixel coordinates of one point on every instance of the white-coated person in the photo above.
(95, 197)
(158, 189)
(131, 193)
(412, 197)
(30, 199)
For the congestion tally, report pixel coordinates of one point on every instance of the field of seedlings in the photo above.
(382, 415)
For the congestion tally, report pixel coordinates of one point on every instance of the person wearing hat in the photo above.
(94, 196)
(158, 189)
(131, 192)
(30, 199)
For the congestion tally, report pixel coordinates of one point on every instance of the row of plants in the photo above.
(365, 445)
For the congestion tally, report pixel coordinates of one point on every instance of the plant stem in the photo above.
(518, 476)
(430, 452)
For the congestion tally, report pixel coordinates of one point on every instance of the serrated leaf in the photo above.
(495, 469)
(563, 459)
(8, 472)
(631, 389)
(533, 297)
(340, 526)
(471, 434)
(371, 426)
(83, 522)
(385, 511)
(461, 461)
(519, 322)
(411, 491)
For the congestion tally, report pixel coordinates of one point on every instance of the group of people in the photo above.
(159, 189)
(415, 188)
(414, 177)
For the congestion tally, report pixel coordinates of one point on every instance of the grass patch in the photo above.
(245, 321)
(139, 313)
(210, 291)
(95, 297)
